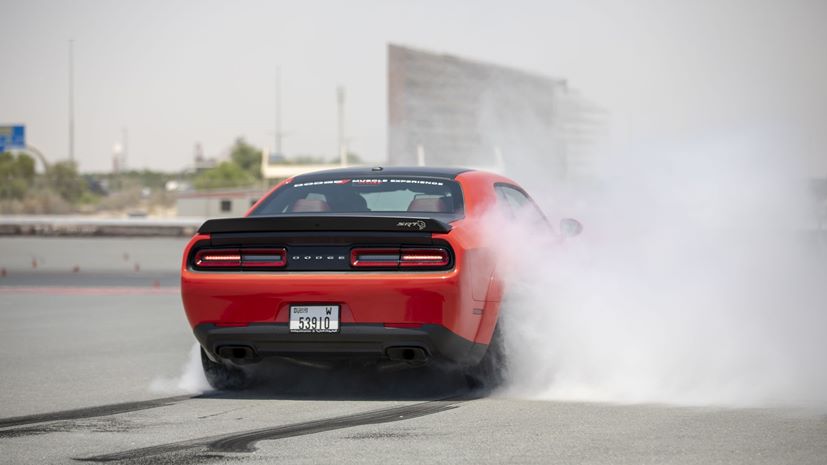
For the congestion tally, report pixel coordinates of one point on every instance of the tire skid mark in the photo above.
(91, 412)
(245, 441)
(95, 425)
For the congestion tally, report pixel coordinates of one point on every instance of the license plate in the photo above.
(314, 318)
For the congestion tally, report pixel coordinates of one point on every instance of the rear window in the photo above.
(377, 194)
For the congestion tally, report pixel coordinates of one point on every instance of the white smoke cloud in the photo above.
(191, 380)
(693, 283)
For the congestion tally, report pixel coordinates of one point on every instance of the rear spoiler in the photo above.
(324, 223)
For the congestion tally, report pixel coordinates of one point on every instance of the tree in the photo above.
(16, 175)
(64, 179)
(247, 157)
(352, 159)
(226, 174)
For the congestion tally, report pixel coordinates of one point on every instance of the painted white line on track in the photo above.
(90, 291)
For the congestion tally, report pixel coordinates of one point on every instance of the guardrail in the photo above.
(84, 226)
(53, 225)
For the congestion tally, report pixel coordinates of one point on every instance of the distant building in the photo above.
(279, 168)
(445, 110)
(200, 162)
(217, 203)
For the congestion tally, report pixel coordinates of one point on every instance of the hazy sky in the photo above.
(180, 72)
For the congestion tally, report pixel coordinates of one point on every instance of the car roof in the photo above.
(418, 171)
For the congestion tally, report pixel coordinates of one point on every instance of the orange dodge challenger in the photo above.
(353, 265)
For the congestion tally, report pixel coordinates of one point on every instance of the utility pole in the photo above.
(340, 100)
(278, 133)
(125, 138)
(71, 100)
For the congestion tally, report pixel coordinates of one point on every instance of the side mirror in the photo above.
(569, 227)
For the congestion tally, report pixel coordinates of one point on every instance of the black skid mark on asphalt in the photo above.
(221, 413)
(188, 458)
(102, 425)
(385, 435)
(91, 412)
(245, 441)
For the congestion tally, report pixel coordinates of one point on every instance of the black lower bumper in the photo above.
(352, 342)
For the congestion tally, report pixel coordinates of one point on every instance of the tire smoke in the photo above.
(698, 280)
(191, 380)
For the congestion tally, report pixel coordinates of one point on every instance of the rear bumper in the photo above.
(363, 342)
(425, 298)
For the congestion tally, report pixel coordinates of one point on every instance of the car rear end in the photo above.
(337, 268)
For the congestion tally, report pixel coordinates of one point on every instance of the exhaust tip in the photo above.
(237, 353)
(407, 354)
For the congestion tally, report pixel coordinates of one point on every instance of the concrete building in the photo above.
(445, 110)
(217, 203)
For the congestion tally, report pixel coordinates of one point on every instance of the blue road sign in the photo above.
(12, 137)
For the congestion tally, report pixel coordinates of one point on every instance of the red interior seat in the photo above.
(429, 205)
(309, 205)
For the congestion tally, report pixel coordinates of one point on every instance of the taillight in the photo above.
(224, 258)
(423, 257)
(241, 258)
(396, 258)
(375, 258)
(258, 258)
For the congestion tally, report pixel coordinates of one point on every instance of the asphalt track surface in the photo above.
(80, 351)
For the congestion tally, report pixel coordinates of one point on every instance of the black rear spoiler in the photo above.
(324, 223)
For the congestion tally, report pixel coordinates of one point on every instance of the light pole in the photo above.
(71, 100)
(278, 111)
(125, 145)
(340, 100)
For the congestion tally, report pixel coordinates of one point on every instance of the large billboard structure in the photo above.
(444, 110)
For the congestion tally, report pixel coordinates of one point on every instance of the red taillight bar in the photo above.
(375, 258)
(424, 257)
(258, 258)
(223, 258)
(396, 258)
(241, 258)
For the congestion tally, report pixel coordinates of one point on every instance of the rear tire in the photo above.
(490, 372)
(223, 377)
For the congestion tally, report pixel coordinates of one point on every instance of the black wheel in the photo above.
(490, 372)
(222, 377)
